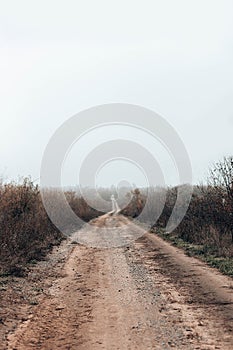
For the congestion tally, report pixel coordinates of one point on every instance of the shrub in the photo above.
(25, 229)
(26, 232)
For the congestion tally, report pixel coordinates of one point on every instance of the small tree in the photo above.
(221, 178)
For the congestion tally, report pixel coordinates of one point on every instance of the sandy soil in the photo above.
(146, 295)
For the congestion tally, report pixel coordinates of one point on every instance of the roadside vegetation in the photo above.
(26, 232)
(207, 228)
(204, 252)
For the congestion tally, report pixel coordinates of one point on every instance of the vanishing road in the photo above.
(143, 295)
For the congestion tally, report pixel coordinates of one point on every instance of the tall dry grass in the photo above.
(208, 220)
(26, 232)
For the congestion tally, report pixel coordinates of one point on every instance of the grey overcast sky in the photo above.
(60, 57)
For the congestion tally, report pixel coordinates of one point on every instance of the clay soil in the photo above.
(144, 295)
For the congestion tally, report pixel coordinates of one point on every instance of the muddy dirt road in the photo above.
(146, 295)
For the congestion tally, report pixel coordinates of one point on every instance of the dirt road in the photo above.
(146, 295)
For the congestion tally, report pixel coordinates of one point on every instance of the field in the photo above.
(66, 290)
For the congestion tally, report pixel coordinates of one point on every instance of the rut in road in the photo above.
(146, 295)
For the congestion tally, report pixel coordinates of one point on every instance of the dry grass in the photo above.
(208, 221)
(25, 229)
(26, 232)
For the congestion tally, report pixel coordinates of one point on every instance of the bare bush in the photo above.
(25, 230)
(207, 222)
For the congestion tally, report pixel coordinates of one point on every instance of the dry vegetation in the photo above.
(26, 232)
(207, 228)
(209, 220)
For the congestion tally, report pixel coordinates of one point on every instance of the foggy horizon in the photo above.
(175, 59)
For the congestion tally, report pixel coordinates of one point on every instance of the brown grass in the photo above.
(26, 232)
(207, 222)
(25, 229)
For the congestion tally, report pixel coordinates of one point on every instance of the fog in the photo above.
(58, 58)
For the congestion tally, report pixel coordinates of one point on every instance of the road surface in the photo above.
(145, 295)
